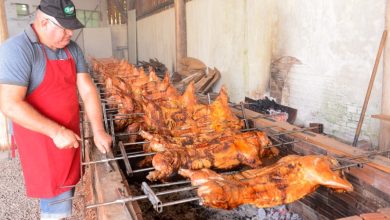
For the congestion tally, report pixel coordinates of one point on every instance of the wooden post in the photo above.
(181, 31)
(4, 134)
(3, 23)
(384, 134)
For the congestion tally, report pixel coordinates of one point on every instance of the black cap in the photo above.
(63, 11)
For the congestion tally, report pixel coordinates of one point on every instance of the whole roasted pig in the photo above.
(290, 179)
(243, 148)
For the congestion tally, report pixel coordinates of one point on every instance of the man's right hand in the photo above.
(65, 138)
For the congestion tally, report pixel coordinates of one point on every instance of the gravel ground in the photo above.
(14, 204)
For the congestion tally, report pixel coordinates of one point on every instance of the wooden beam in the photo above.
(181, 31)
(109, 185)
(3, 23)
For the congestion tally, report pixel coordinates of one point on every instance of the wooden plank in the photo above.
(215, 79)
(381, 117)
(108, 187)
(201, 84)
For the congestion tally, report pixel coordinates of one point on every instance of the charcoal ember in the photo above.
(270, 107)
(156, 65)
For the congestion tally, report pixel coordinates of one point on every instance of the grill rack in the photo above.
(151, 192)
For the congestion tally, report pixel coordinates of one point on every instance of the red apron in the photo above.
(46, 168)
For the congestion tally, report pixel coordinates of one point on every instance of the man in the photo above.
(41, 71)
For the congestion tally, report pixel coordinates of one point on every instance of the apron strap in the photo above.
(67, 52)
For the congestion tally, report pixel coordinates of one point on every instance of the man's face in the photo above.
(59, 36)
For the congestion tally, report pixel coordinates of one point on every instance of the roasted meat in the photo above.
(243, 148)
(290, 179)
(184, 117)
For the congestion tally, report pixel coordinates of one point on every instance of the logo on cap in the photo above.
(69, 10)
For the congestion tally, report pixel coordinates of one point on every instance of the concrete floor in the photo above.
(14, 204)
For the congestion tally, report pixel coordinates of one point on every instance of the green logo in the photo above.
(69, 10)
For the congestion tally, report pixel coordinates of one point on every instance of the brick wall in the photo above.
(336, 43)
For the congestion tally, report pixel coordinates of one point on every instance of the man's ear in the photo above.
(44, 22)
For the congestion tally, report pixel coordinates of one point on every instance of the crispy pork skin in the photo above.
(290, 179)
(243, 148)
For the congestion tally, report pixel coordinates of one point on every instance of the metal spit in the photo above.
(151, 191)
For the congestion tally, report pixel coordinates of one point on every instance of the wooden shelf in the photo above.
(381, 117)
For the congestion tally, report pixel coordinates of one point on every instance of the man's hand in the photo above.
(65, 138)
(93, 108)
(102, 141)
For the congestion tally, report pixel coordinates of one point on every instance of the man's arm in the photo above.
(93, 108)
(13, 105)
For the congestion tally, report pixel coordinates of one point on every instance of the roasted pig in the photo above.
(244, 148)
(290, 179)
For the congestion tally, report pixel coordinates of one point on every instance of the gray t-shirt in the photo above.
(23, 63)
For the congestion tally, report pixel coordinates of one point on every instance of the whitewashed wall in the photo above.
(18, 24)
(236, 37)
(119, 41)
(156, 38)
(337, 42)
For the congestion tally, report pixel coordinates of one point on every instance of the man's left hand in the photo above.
(103, 141)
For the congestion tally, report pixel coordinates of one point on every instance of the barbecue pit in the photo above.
(132, 197)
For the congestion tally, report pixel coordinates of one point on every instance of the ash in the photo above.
(276, 213)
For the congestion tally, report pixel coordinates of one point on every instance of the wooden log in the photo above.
(217, 76)
(199, 86)
(194, 77)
